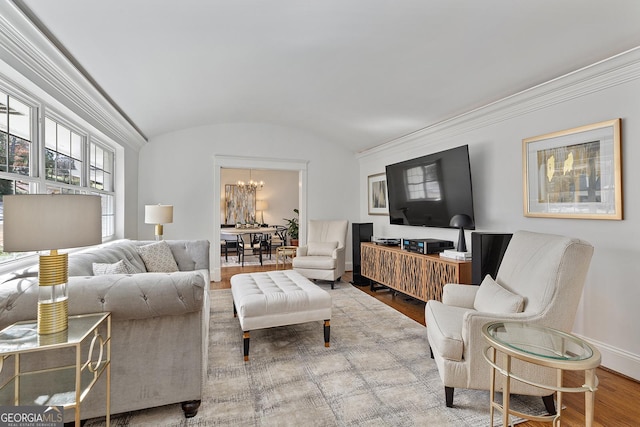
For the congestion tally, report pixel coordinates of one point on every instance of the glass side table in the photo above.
(543, 347)
(86, 345)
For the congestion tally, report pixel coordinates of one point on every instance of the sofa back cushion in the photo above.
(81, 263)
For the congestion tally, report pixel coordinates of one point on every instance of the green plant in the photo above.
(293, 225)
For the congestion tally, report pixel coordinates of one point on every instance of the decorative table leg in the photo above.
(589, 396)
(245, 336)
(327, 332)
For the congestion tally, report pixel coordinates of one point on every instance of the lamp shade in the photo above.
(35, 222)
(461, 221)
(158, 214)
(262, 205)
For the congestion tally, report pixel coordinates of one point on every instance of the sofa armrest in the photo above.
(302, 251)
(459, 295)
(137, 296)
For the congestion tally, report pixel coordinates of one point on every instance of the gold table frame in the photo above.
(285, 252)
(70, 383)
(561, 356)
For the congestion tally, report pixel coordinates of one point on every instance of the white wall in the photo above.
(178, 168)
(608, 314)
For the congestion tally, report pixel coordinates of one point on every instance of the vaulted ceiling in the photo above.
(357, 72)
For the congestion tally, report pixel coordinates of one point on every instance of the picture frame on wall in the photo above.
(240, 205)
(574, 173)
(378, 201)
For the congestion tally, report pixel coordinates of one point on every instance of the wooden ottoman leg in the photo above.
(327, 332)
(245, 336)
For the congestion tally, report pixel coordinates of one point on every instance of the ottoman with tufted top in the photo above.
(278, 298)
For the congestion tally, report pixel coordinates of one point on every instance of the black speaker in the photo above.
(362, 232)
(487, 250)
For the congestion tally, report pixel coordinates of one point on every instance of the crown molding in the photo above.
(604, 74)
(24, 47)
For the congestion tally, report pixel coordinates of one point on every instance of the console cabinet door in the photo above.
(419, 276)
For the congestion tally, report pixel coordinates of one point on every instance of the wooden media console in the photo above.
(417, 275)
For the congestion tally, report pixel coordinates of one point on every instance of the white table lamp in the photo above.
(262, 205)
(158, 215)
(37, 222)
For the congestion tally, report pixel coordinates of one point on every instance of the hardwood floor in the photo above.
(616, 399)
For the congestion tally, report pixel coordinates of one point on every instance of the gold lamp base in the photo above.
(159, 231)
(53, 301)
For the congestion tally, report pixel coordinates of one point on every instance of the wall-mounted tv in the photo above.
(427, 191)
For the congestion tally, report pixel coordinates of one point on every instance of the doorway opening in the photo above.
(222, 165)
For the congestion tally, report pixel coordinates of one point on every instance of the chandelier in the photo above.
(251, 185)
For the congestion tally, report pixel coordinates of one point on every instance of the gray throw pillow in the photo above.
(158, 258)
(100, 268)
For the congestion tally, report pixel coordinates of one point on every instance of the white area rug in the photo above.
(377, 372)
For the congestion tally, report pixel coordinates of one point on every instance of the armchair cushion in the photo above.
(493, 298)
(445, 327)
(321, 248)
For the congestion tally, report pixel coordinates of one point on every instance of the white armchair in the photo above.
(540, 281)
(323, 257)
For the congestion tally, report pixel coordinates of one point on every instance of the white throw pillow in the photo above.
(158, 258)
(100, 268)
(321, 248)
(493, 298)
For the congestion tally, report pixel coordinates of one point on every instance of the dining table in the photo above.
(234, 233)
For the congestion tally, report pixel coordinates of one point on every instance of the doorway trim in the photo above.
(245, 162)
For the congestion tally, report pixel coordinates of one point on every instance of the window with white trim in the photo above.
(65, 160)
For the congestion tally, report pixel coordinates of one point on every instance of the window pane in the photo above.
(4, 163)
(76, 146)
(50, 134)
(19, 119)
(76, 172)
(4, 109)
(98, 159)
(108, 182)
(108, 161)
(64, 140)
(19, 155)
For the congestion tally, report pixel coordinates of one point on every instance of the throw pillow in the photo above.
(100, 268)
(493, 298)
(321, 248)
(158, 258)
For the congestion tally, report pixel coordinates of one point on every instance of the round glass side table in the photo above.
(543, 347)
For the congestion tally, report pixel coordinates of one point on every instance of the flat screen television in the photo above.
(427, 191)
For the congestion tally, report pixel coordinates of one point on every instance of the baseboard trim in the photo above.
(617, 360)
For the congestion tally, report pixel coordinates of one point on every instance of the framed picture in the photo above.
(575, 173)
(239, 205)
(378, 202)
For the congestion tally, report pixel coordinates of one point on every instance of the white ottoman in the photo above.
(278, 298)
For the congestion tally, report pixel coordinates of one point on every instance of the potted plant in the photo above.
(293, 227)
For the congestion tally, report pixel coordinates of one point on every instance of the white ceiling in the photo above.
(358, 72)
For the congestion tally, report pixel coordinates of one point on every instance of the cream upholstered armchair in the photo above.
(540, 281)
(323, 257)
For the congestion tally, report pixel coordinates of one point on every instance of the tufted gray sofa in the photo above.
(160, 323)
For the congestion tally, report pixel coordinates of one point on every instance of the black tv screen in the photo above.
(429, 190)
